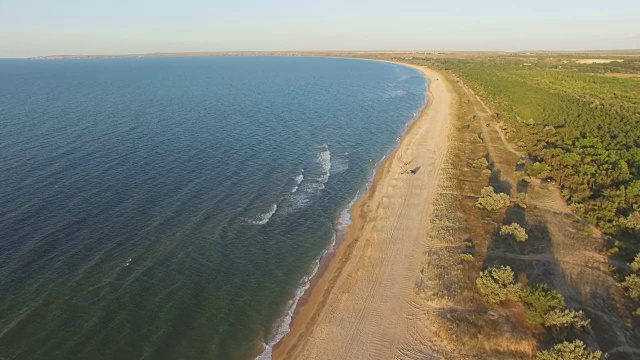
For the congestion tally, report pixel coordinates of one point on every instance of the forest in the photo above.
(576, 125)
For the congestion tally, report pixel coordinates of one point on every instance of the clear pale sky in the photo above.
(46, 27)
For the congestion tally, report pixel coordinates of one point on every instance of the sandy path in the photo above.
(363, 305)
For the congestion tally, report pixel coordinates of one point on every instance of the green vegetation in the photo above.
(496, 285)
(566, 318)
(521, 200)
(514, 231)
(583, 129)
(521, 176)
(466, 257)
(480, 163)
(575, 350)
(539, 301)
(545, 306)
(491, 201)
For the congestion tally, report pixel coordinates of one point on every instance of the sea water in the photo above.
(175, 208)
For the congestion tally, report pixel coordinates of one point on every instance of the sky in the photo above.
(52, 27)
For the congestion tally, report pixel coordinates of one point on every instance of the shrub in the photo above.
(521, 200)
(538, 169)
(480, 163)
(566, 318)
(575, 350)
(496, 285)
(520, 176)
(515, 231)
(632, 283)
(631, 222)
(486, 173)
(635, 264)
(489, 200)
(466, 257)
(541, 300)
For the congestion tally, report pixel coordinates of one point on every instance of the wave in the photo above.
(339, 163)
(324, 158)
(264, 217)
(396, 93)
(298, 180)
(340, 227)
(285, 321)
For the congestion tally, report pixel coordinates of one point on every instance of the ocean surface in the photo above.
(174, 208)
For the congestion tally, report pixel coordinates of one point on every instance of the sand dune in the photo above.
(363, 305)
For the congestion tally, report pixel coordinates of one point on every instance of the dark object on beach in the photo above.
(415, 170)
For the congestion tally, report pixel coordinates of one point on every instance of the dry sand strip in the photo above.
(361, 307)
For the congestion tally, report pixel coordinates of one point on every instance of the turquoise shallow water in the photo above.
(172, 208)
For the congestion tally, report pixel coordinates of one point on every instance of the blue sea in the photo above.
(175, 208)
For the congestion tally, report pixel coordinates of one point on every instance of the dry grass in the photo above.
(561, 252)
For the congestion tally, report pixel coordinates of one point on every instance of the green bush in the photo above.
(632, 283)
(466, 257)
(514, 231)
(631, 222)
(480, 163)
(496, 285)
(566, 318)
(491, 201)
(575, 350)
(635, 264)
(520, 176)
(539, 169)
(521, 200)
(541, 300)
(486, 173)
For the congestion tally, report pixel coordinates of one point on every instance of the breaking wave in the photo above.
(324, 158)
(264, 217)
(298, 180)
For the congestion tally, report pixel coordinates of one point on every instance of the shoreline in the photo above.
(321, 265)
(331, 269)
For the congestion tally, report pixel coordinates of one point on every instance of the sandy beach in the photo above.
(364, 305)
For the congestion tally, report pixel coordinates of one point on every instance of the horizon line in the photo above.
(294, 52)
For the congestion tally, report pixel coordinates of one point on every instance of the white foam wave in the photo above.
(324, 158)
(264, 217)
(285, 321)
(298, 180)
(340, 228)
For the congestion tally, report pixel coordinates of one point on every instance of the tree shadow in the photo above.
(522, 187)
(533, 262)
(515, 214)
(498, 184)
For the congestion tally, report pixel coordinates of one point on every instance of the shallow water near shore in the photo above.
(173, 208)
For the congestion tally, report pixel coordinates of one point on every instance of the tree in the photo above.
(631, 222)
(632, 283)
(575, 350)
(566, 318)
(521, 200)
(496, 285)
(491, 201)
(480, 163)
(635, 264)
(515, 231)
